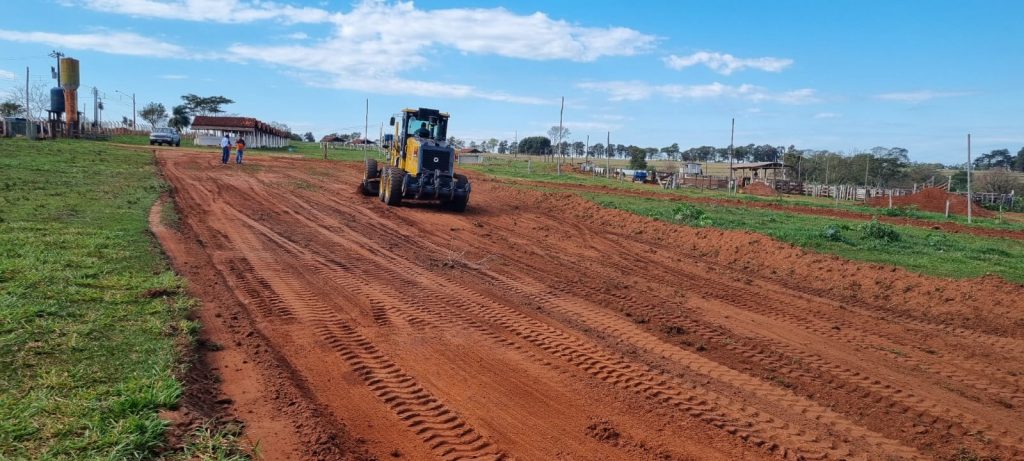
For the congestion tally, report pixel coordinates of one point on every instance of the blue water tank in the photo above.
(57, 100)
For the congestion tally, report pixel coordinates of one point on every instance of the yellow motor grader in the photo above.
(420, 163)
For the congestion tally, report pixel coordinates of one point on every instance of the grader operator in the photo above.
(420, 163)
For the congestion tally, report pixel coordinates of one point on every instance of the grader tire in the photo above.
(393, 189)
(371, 188)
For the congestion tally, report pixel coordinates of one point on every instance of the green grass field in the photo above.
(92, 319)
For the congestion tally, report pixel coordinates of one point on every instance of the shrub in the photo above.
(879, 231)
(691, 215)
(834, 233)
(909, 211)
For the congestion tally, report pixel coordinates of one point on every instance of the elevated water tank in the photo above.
(57, 100)
(69, 79)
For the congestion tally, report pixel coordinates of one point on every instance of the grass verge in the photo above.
(542, 171)
(926, 251)
(91, 316)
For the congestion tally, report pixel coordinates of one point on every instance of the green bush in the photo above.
(691, 215)
(879, 231)
(834, 233)
(909, 211)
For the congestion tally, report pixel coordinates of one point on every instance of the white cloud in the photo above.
(920, 95)
(222, 11)
(389, 25)
(400, 86)
(825, 115)
(297, 36)
(636, 91)
(6, 75)
(125, 43)
(591, 125)
(174, 77)
(621, 90)
(372, 46)
(726, 64)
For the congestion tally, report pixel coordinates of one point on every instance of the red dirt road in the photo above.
(542, 327)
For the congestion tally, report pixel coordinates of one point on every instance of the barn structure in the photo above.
(773, 174)
(209, 130)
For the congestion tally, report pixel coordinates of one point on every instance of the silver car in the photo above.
(165, 135)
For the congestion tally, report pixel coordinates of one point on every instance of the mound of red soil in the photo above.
(760, 188)
(933, 199)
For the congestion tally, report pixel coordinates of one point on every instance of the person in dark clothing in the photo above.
(423, 132)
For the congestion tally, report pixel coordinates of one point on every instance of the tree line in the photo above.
(876, 167)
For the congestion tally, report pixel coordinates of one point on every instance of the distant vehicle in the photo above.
(640, 176)
(165, 135)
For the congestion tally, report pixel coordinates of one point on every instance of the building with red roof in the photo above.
(209, 129)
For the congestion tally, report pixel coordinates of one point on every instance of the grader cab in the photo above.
(420, 163)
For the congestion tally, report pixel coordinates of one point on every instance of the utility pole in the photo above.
(366, 126)
(561, 112)
(28, 111)
(732, 153)
(969, 195)
(58, 55)
(867, 164)
(608, 156)
(593, 166)
(516, 137)
(95, 107)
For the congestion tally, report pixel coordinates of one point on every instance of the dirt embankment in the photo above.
(541, 326)
(761, 189)
(933, 199)
(788, 208)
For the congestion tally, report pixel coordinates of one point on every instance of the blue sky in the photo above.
(839, 75)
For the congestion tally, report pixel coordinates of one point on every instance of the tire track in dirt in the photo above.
(413, 311)
(434, 422)
(533, 305)
(793, 362)
(884, 389)
(766, 302)
(904, 402)
(911, 401)
(957, 423)
(839, 377)
(617, 371)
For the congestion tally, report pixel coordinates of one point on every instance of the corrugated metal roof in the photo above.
(757, 166)
(201, 122)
